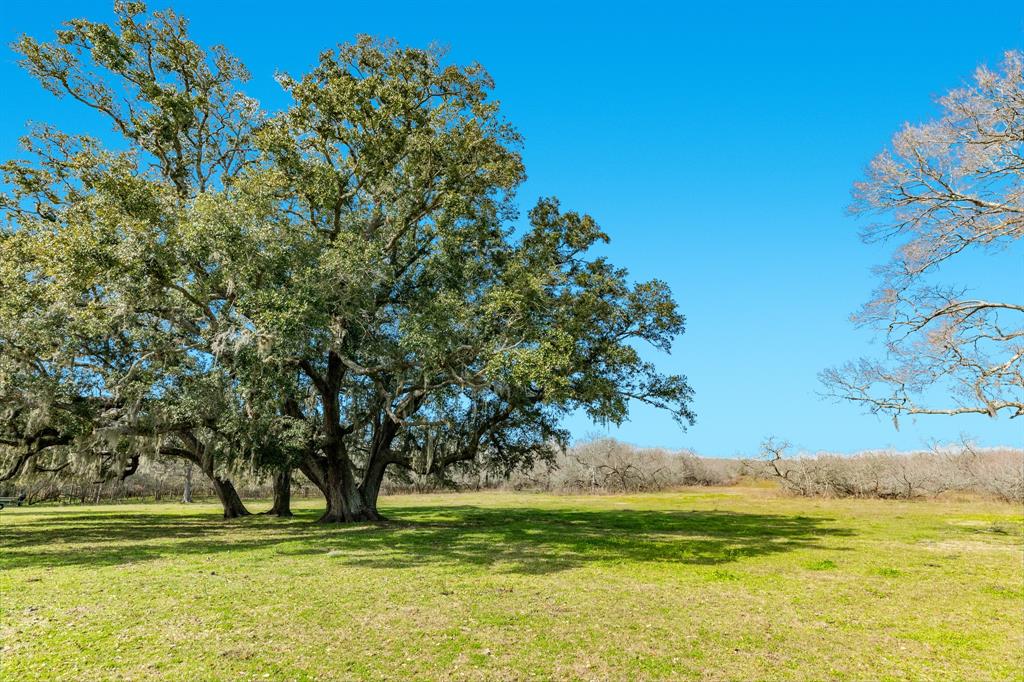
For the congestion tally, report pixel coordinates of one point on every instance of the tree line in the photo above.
(606, 465)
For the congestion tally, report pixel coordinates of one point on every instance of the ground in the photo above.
(732, 583)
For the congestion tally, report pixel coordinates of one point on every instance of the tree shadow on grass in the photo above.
(512, 540)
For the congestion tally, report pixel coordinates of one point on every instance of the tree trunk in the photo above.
(346, 502)
(282, 494)
(228, 496)
(195, 453)
(186, 496)
(337, 507)
(369, 489)
(363, 507)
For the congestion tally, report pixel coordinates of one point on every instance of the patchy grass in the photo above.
(722, 584)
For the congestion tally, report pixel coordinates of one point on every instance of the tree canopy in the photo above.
(341, 287)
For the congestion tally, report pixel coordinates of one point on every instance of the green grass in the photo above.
(733, 583)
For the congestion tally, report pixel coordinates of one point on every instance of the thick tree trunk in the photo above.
(346, 502)
(228, 496)
(337, 506)
(282, 494)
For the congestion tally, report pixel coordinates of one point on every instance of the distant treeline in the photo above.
(610, 466)
(154, 481)
(996, 472)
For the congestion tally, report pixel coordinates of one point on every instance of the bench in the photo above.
(16, 501)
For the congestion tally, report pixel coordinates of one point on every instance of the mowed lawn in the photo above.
(732, 583)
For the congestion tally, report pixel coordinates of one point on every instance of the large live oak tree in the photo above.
(342, 287)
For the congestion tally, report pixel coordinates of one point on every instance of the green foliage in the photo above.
(338, 287)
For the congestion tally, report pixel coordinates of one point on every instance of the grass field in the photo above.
(733, 583)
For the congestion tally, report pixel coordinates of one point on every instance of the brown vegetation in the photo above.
(610, 466)
(996, 472)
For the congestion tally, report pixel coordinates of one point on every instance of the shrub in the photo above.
(998, 472)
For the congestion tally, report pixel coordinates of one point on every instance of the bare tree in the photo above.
(947, 187)
(998, 472)
(796, 479)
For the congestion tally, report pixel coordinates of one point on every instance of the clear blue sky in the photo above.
(715, 142)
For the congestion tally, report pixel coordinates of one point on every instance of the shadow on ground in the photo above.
(516, 540)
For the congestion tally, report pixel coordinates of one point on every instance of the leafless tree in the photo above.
(997, 472)
(945, 188)
(792, 474)
(604, 465)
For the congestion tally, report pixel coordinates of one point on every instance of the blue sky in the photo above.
(716, 143)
